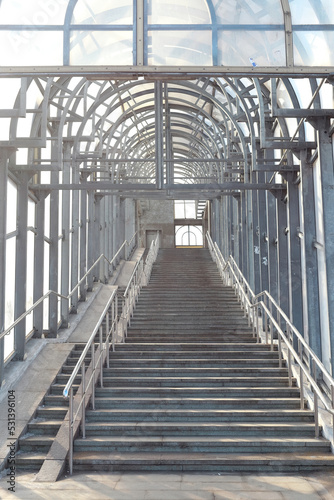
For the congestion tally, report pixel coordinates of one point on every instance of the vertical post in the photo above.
(158, 98)
(309, 261)
(272, 245)
(65, 243)
(21, 265)
(83, 241)
(70, 423)
(4, 155)
(39, 264)
(101, 359)
(75, 240)
(83, 398)
(294, 255)
(91, 239)
(54, 237)
(140, 33)
(93, 368)
(325, 150)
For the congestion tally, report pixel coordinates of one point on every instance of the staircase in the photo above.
(191, 390)
(34, 445)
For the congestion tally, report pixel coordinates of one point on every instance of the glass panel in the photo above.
(103, 12)
(251, 48)
(250, 12)
(180, 47)
(10, 293)
(313, 48)
(33, 12)
(11, 207)
(178, 12)
(29, 48)
(312, 11)
(101, 47)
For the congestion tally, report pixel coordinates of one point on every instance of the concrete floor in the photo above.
(113, 486)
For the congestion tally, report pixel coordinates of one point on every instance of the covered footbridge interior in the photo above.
(114, 112)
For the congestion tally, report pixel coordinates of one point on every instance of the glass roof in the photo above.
(246, 33)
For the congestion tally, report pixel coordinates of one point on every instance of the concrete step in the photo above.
(162, 362)
(198, 381)
(44, 427)
(196, 403)
(253, 462)
(198, 372)
(187, 351)
(247, 415)
(198, 392)
(29, 461)
(40, 444)
(207, 444)
(200, 429)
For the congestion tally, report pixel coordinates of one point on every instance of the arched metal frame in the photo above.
(82, 146)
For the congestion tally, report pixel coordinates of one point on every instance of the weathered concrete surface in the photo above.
(128, 267)
(30, 389)
(86, 326)
(131, 486)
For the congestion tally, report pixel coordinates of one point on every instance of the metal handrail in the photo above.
(258, 313)
(97, 364)
(139, 277)
(68, 297)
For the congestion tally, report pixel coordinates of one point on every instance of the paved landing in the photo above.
(113, 486)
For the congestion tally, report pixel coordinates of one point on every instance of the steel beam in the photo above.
(164, 72)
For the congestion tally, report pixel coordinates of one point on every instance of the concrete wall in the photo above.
(156, 215)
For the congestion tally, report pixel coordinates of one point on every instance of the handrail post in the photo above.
(93, 385)
(83, 408)
(108, 331)
(316, 415)
(332, 394)
(289, 368)
(101, 359)
(70, 422)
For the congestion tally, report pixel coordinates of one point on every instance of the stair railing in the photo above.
(126, 244)
(139, 278)
(267, 320)
(99, 352)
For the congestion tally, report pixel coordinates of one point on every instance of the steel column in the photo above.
(4, 155)
(54, 237)
(75, 241)
(325, 151)
(310, 280)
(283, 275)
(294, 255)
(159, 165)
(272, 244)
(21, 265)
(83, 242)
(39, 264)
(65, 242)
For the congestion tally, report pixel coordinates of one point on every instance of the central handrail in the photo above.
(66, 297)
(259, 313)
(110, 315)
(139, 277)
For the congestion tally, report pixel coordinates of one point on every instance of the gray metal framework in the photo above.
(82, 143)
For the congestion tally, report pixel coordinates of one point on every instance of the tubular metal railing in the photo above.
(113, 327)
(89, 378)
(139, 278)
(68, 297)
(267, 319)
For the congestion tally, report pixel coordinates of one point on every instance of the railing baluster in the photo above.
(101, 358)
(70, 422)
(93, 366)
(83, 398)
(316, 415)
